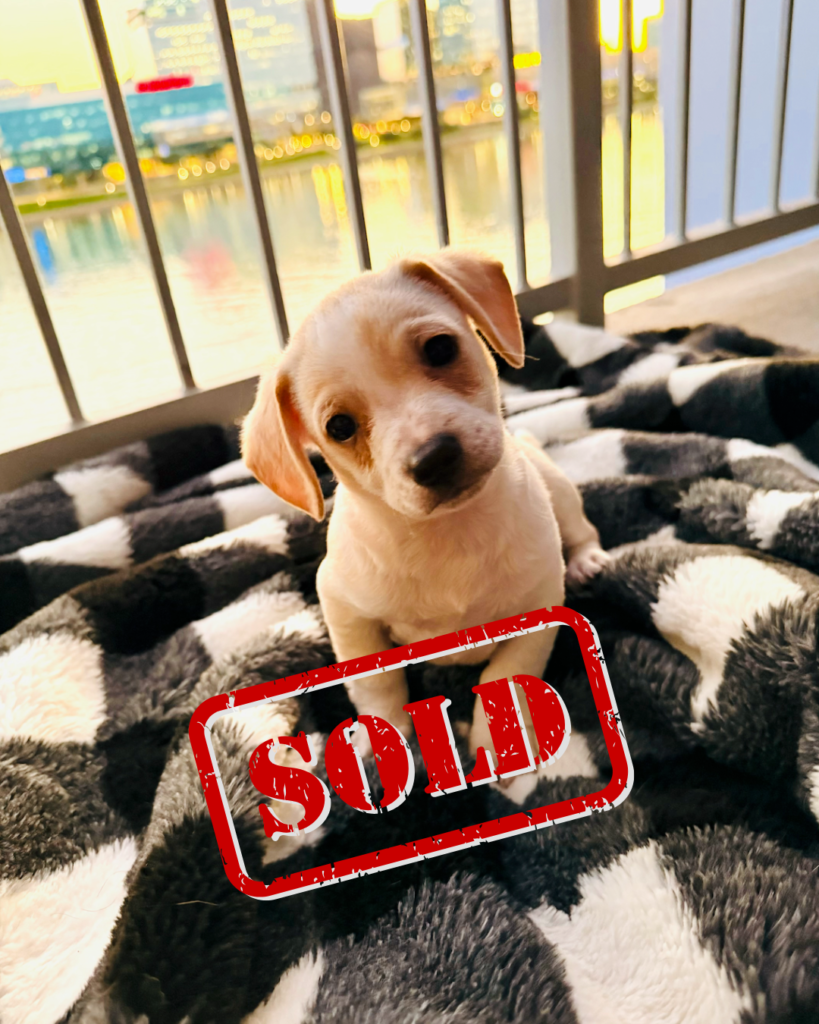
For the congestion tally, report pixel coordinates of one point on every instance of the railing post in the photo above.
(587, 150)
(126, 152)
(782, 75)
(243, 139)
(734, 104)
(31, 279)
(511, 129)
(626, 85)
(343, 124)
(554, 102)
(429, 118)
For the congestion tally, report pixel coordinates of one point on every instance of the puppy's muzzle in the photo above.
(438, 464)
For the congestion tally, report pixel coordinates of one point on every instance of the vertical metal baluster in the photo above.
(816, 157)
(556, 128)
(429, 119)
(587, 128)
(340, 104)
(781, 102)
(512, 133)
(683, 113)
(126, 150)
(626, 75)
(19, 244)
(737, 48)
(243, 138)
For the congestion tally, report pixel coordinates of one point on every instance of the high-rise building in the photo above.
(462, 32)
(272, 38)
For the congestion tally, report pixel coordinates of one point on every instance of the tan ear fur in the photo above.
(478, 284)
(273, 439)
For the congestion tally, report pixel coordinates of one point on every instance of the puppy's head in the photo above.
(389, 380)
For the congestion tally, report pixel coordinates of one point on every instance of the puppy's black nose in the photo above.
(436, 463)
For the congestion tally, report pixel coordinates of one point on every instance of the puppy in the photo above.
(442, 519)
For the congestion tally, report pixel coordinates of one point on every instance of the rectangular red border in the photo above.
(614, 793)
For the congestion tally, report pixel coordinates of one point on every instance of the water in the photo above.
(101, 295)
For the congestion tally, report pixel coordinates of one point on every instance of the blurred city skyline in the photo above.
(44, 42)
(167, 58)
(58, 154)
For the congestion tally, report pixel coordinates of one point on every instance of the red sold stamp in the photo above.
(393, 758)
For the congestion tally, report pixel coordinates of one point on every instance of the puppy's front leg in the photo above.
(525, 655)
(584, 555)
(355, 636)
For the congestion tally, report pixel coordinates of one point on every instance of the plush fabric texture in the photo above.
(137, 585)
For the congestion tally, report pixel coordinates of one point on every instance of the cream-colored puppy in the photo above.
(441, 519)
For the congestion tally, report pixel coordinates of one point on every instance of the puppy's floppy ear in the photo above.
(479, 286)
(273, 438)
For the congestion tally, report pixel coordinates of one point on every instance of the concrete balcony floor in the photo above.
(776, 298)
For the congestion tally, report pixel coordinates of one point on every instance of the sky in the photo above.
(46, 41)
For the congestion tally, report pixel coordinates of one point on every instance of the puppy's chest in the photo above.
(433, 586)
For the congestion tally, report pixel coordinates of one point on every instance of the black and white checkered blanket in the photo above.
(134, 586)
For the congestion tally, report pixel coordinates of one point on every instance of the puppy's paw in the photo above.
(361, 741)
(397, 718)
(585, 562)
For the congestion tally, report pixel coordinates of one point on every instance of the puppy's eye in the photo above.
(440, 350)
(341, 427)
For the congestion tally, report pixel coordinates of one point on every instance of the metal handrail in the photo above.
(126, 150)
(571, 116)
(735, 79)
(31, 279)
(247, 162)
(340, 109)
(429, 120)
(512, 132)
(626, 85)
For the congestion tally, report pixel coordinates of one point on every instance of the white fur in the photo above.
(739, 448)
(508, 390)
(268, 722)
(101, 491)
(653, 367)
(241, 505)
(683, 382)
(576, 761)
(580, 345)
(534, 399)
(706, 604)
(269, 532)
(292, 999)
(767, 509)
(632, 952)
(553, 421)
(106, 544)
(594, 457)
(235, 470)
(813, 791)
(796, 458)
(54, 929)
(51, 688)
(260, 722)
(233, 626)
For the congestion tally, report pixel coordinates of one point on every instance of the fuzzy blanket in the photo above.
(134, 586)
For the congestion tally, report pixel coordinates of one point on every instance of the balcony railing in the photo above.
(571, 118)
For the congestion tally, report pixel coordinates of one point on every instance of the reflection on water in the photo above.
(102, 299)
